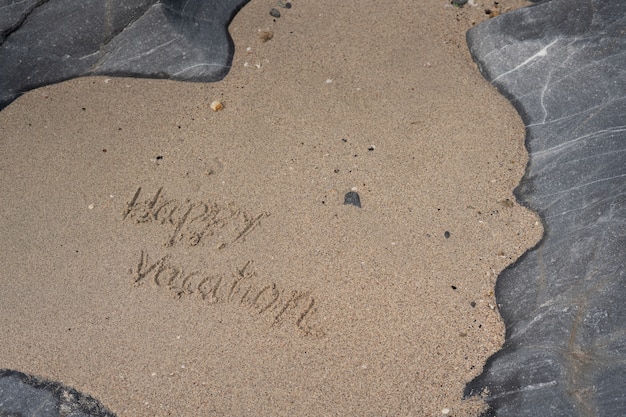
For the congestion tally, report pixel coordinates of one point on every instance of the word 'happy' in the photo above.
(193, 221)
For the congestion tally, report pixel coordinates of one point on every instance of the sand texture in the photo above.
(174, 261)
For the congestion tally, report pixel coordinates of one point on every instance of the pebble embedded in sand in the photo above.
(275, 13)
(352, 197)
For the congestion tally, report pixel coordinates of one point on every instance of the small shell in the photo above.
(216, 105)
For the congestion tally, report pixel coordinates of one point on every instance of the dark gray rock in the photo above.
(45, 42)
(26, 396)
(562, 63)
(274, 13)
(352, 198)
(12, 15)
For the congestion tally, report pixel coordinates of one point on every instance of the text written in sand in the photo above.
(192, 221)
(242, 287)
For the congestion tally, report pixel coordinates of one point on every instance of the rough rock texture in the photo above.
(562, 63)
(23, 395)
(48, 41)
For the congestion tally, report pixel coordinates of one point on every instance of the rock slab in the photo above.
(49, 41)
(562, 63)
(26, 396)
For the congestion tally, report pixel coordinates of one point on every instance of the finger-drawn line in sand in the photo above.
(242, 287)
(193, 221)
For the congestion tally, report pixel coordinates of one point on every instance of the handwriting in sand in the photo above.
(241, 287)
(193, 221)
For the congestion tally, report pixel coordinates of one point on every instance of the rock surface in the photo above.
(179, 40)
(562, 63)
(23, 395)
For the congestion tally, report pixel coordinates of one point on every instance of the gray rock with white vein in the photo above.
(562, 63)
(45, 42)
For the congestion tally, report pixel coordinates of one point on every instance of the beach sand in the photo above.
(170, 260)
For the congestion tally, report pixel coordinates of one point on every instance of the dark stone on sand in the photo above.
(275, 13)
(352, 198)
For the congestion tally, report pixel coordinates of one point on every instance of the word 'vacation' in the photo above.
(242, 287)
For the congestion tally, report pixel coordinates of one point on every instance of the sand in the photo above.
(174, 261)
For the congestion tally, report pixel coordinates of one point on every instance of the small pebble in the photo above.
(274, 13)
(216, 105)
(353, 198)
(458, 2)
(446, 234)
